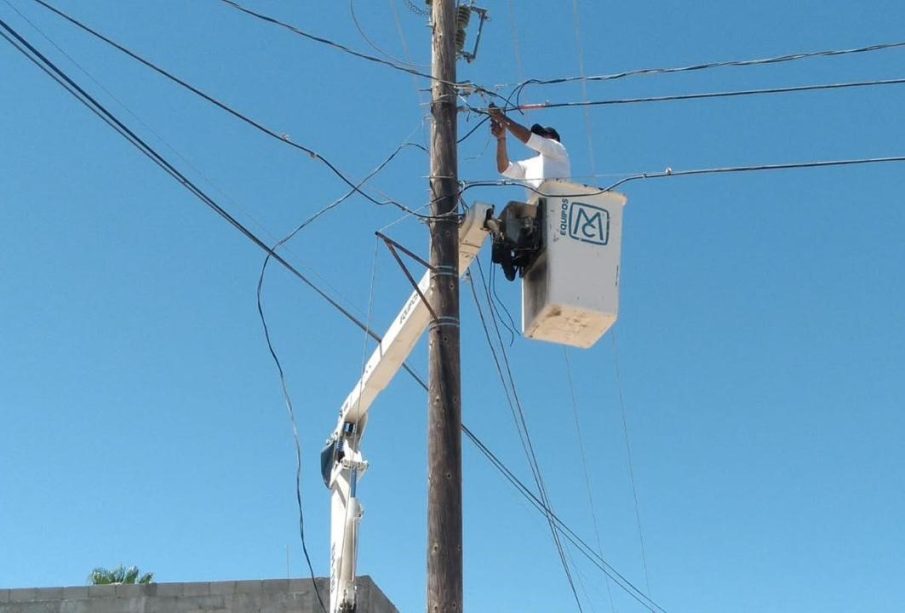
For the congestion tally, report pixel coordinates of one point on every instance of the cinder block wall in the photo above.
(271, 596)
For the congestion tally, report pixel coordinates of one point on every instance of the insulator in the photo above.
(461, 35)
(463, 16)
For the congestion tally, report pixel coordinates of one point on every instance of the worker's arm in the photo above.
(502, 153)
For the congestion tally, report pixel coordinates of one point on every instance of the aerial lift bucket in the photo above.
(570, 293)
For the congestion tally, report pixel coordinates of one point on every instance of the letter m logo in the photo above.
(589, 224)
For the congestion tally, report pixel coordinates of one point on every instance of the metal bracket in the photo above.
(392, 246)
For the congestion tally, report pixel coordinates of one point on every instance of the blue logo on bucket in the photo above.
(587, 223)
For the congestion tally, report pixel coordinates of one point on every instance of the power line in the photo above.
(370, 58)
(47, 66)
(137, 118)
(576, 14)
(585, 549)
(334, 44)
(669, 173)
(287, 399)
(371, 43)
(521, 426)
(36, 57)
(724, 94)
(584, 466)
(757, 168)
(283, 138)
(631, 464)
(790, 57)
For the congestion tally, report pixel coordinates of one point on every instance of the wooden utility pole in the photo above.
(444, 498)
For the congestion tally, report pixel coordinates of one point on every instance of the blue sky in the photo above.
(759, 351)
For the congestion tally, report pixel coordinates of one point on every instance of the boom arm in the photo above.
(341, 461)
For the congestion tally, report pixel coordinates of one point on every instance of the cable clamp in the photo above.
(445, 322)
(445, 271)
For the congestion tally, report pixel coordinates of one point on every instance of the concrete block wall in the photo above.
(269, 596)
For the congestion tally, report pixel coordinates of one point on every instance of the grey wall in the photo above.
(271, 596)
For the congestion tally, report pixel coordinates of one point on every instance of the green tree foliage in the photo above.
(120, 574)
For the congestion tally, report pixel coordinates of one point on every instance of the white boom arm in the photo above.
(341, 462)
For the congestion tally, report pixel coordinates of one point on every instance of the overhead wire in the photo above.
(330, 43)
(513, 23)
(586, 550)
(281, 137)
(576, 15)
(133, 114)
(370, 58)
(631, 463)
(97, 108)
(584, 466)
(287, 400)
(515, 407)
(789, 57)
(372, 44)
(711, 95)
(286, 397)
(208, 201)
(47, 66)
(670, 173)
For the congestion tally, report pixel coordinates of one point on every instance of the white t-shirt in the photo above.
(551, 163)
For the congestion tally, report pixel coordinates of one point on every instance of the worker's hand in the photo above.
(496, 114)
(497, 129)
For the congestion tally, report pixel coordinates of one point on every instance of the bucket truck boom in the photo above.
(566, 246)
(342, 463)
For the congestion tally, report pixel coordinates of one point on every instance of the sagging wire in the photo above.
(704, 66)
(287, 399)
(374, 46)
(281, 137)
(713, 95)
(345, 49)
(669, 173)
(55, 73)
(46, 65)
(587, 474)
(518, 415)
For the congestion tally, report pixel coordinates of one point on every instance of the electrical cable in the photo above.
(283, 138)
(35, 56)
(522, 428)
(707, 95)
(95, 107)
(709, 65)
(583, 548)
(628, 454)
(373, 46)
(287, 399)
(415, 9)
(358, 54)
(576, 15)
(335, 45)
(519, 68)
(584, 466)
(498, 305)
(668, 173)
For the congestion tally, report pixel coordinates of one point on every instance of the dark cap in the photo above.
(547, 132)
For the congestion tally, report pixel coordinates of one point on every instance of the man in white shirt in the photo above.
(551, 162)
(516, 234)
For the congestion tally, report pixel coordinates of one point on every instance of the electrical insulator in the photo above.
(463, 16)
(461, 35)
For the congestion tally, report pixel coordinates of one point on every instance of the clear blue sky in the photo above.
(760, 342)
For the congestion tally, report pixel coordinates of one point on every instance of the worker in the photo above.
(516, 233)
(552, 161)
